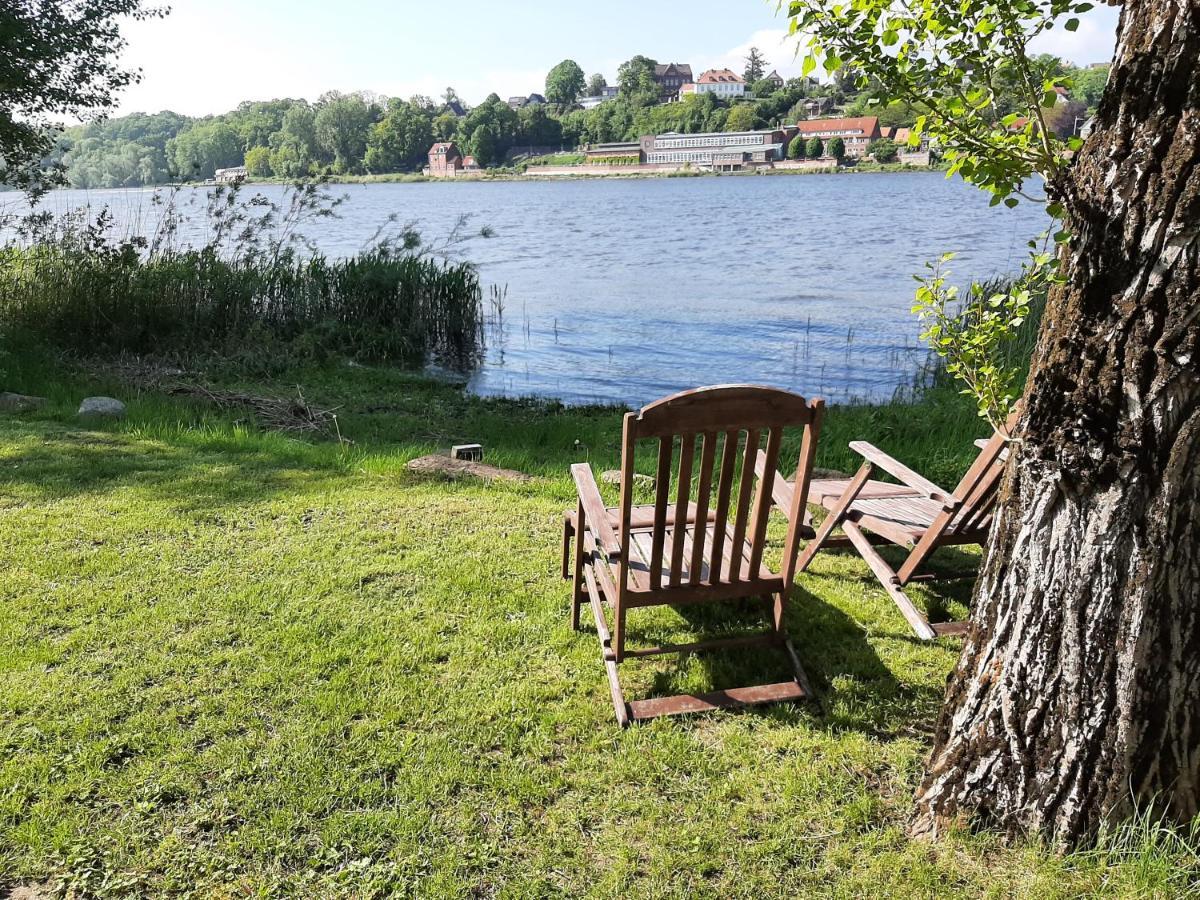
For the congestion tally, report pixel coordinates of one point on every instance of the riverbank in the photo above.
(193, 606)
(563, 173)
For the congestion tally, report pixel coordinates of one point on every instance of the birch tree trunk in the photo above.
(1077, 696)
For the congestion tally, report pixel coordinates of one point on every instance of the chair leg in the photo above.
(577, 585)
(889, 580)
(618, 642)
(568, 533)
(835, 516)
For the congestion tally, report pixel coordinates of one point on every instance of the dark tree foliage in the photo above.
(57, 60)
(756, 66)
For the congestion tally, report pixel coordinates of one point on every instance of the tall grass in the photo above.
(253, 289)
(375, 306)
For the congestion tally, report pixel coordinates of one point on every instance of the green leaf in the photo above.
(1072, 25)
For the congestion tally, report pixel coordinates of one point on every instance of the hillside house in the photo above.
(522, 102)
(725, 84)
(671, 77)
(608, 92)
(776, 79)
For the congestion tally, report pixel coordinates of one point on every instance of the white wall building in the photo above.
(725, 84)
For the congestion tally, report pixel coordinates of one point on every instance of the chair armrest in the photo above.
(905, 475)
(594, 514)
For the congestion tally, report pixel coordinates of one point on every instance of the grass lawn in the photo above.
(238, 664)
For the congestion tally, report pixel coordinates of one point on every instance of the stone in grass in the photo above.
(613, 476)
(10, 402)
(101, 408)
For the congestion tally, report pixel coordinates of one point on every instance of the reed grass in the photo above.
(379, 306)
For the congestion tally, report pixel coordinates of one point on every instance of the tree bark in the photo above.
(1076, 700)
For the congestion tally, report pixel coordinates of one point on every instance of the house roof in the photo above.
(720, 76)
(662, 70)
(442, 147)
(774, 76)
(457, 108)
(861, 125)
(901, 136)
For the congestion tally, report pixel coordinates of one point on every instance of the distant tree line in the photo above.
(362, 133)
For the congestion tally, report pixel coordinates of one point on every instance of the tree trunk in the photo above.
(1077, 696)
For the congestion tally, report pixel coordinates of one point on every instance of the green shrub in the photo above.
(884, 150)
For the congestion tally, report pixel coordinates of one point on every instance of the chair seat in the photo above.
(641, 550)
(890, 508)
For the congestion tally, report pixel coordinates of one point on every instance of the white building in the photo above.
(720, 150)
(234, 175)
(606, 93)
(725, 84)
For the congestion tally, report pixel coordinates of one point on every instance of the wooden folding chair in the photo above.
(705, 543)
(915, 514)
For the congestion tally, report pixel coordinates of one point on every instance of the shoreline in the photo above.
(502, 176)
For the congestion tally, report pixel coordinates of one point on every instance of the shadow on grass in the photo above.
(854, 689)
(58, 462)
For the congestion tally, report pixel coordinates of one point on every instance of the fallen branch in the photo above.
(293, 416)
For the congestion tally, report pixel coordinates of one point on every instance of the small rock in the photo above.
(10, 402)
(613, 476)
(101, 408)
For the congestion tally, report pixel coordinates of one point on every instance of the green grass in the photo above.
(237, 664)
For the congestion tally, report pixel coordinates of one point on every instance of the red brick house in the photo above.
(445, 160)
(857, 134)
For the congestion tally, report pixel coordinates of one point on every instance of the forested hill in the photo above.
(364, 133)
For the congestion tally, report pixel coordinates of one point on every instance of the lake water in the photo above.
(625, 291)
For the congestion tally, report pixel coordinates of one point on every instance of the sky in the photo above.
(207, 56)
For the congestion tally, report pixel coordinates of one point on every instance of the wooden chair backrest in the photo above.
(978, 489)
(712, 416)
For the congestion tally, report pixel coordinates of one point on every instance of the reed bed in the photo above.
(380, 306)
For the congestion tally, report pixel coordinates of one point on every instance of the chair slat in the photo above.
(663, 484)
(724, 489)
(703, 491)
(740, 522)
(762, 500)
(687, 450)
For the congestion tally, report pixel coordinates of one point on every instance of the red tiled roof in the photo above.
(719, 76)
(864, 125)
(441, 147)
